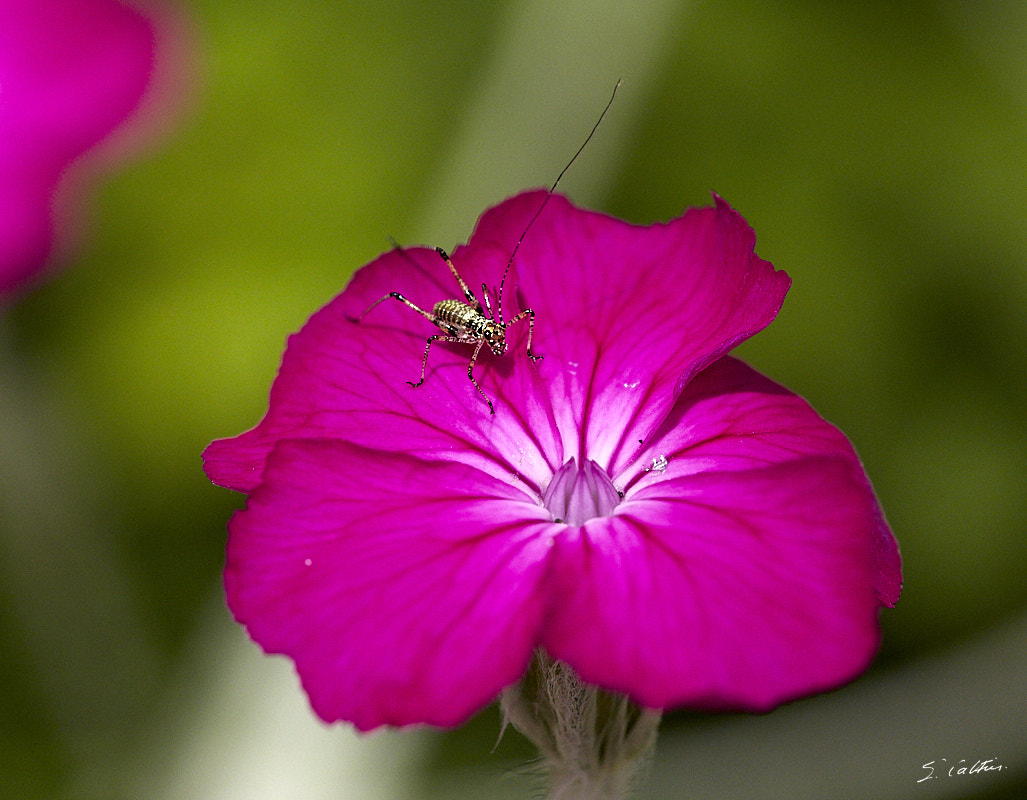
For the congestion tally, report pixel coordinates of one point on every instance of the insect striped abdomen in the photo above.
(460, 315)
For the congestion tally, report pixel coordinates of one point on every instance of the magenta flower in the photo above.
(654, 513)
(71, 72)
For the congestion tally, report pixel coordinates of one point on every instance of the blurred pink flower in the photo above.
(651, 511)
(71, 72)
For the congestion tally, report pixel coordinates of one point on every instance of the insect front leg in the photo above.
(531, 329)
(438, 337)
(470, 374)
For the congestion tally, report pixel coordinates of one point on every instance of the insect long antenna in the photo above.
(509, 263)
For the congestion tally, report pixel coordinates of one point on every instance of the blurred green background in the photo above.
(879, 150)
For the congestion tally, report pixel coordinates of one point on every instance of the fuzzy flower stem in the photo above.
(593, 742)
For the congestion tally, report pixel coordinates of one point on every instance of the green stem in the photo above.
(592, 742)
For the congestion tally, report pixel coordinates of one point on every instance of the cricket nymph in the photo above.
(466, 322)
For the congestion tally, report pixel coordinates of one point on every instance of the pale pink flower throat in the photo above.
(578, 494)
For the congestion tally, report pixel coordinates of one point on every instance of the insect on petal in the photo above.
(719, 546)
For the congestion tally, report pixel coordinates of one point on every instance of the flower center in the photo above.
(578, 494)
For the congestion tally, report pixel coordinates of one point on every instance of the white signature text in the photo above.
(941, 768)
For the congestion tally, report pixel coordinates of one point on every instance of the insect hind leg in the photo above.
(396, 295)
(471, 299)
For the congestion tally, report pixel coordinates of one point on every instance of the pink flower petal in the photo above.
(71, 71)
(731, 591)
(732, 418)
(746, 572)
(347, 380)
(620, 334)
(406, 591)
(399, 543)
(626, 314)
